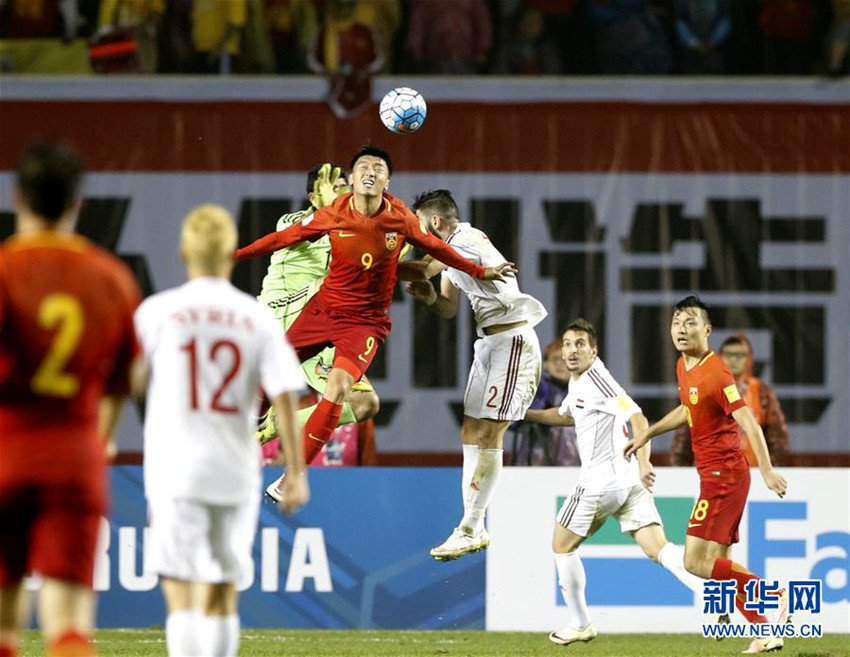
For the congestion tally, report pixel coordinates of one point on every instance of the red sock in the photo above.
(727, 569)
(319, 427)
(71, 644)
(6, 650)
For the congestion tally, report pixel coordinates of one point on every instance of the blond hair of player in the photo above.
(209, 346)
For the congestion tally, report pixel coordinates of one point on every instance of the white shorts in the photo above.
(584, 513)
(504, 376)
(198, 542)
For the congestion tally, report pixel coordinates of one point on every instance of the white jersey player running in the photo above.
(208, 348)
(608, 485)
(506, 365)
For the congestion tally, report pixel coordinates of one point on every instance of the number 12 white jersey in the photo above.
(209, 348)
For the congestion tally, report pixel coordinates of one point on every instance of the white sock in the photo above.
(182, 632)
(470, 460)
(672, 557)
(481, 488)
(220, 636)
(572, 581)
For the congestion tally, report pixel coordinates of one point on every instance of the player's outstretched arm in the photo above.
(296, 492)
(550, 417)
(448, 256)
(673, 420)
(307, 230)
(747, 421)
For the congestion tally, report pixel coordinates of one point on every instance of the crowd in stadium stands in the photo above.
(445, 37)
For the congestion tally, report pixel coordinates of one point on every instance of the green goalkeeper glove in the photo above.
(326, 189)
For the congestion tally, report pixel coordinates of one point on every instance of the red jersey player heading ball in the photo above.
(715, 413)
(66, 344)
(367, 229)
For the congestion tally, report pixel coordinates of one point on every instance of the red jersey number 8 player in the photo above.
(715, 414)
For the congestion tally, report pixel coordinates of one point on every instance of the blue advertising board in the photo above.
(355, 557)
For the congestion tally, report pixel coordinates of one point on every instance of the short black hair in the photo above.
(374, 151)
(313, 174)
(733, 339)
(437, 201)
(693, 301)
(581, 324)
(48, 176)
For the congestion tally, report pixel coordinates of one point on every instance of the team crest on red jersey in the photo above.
(391, 241)
(693, 395)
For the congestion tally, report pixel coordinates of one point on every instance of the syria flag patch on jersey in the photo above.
(391, 241)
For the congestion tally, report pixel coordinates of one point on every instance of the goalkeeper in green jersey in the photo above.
(295, 274)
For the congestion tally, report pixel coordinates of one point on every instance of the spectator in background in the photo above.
(134, 23)
(385, 17)
(450, 38)
(737, 353)
(217, 34)
(348, 53)
(527, 50)
(292, 25)
(789, 34)
(838, 42)
(538, 444)
(629, 39)
(703, 27)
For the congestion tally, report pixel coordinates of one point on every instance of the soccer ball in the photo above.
(403, 110)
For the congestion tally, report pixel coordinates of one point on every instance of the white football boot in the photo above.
(461, 543)
(773, 644)
(275, 489)
(571, 635)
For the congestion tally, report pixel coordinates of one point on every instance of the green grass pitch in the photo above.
(363, 643)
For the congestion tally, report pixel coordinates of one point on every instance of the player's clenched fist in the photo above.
(296, 492)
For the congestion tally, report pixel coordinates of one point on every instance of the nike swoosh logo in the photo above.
(343, 234)
(690, 524)
(318, 440)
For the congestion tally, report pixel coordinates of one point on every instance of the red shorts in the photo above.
(720, 507)
(48, 530)
(356, 340)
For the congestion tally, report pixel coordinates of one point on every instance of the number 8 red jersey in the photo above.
(709, 396)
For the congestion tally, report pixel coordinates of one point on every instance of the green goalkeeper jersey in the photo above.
(293, 269)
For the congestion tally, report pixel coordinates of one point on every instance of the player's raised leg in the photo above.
(653, 541)
(572, 579)
(482, 466)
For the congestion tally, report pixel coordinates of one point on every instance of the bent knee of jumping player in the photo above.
(339, 383)
(698, 561)
(364, 403)
(487, 434)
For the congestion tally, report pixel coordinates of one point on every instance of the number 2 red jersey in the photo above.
(364, 252)
(709, 395)
(66, 338)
